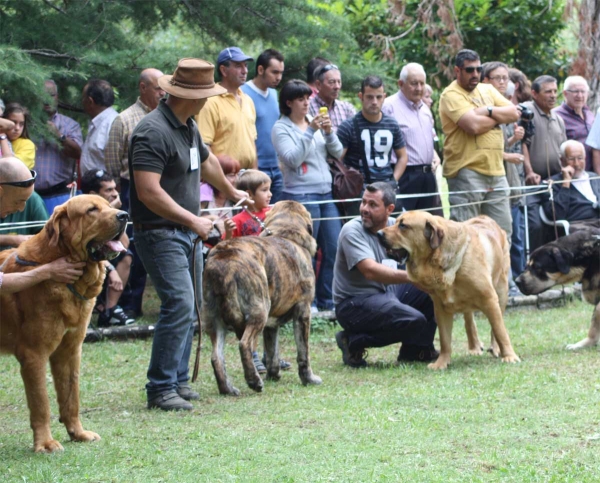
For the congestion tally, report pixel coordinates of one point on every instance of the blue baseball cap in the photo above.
(232, 53)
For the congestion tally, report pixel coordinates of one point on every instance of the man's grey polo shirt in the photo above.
(161, 144)
(544, 150)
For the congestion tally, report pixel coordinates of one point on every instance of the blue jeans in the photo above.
(326, 232)
(276, 183)
(167, 257)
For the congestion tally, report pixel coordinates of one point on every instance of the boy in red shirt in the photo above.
(249, 222)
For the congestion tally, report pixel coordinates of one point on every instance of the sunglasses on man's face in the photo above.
(470, 70)
(23, 184)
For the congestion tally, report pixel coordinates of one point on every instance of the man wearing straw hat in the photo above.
(166, 158)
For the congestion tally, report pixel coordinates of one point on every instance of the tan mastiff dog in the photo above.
(463, 267)
(48, 322)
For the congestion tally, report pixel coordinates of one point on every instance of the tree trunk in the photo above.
(587, 63)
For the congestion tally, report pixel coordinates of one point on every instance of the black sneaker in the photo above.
(417, 353)
(260, 367)
(170, 401)
(186, 392)
(352, 359)
(114, 317)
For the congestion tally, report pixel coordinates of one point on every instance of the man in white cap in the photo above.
(228, 122)
(166, 157)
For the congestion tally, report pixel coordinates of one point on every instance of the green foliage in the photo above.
(72, 41)
(523, 33)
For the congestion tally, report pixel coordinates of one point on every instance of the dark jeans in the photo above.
(517, 247)
(404, 315)
(416, 181)
(167, 256)
(276, 183)
(326, 232)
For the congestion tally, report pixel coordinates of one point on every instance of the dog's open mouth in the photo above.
(106, 250)
(398, 254)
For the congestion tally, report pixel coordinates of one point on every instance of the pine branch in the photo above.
(50, 53)
(58, 9)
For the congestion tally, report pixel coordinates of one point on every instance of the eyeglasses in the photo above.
(23, 184)
(470, 70)
(327, 68)
(575, 158)
(499, 78)
(581, 93)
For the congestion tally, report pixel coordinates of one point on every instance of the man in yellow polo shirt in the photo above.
(227, 122)
(471, 115)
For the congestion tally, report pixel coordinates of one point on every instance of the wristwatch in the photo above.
(2, 137)
(489, 111)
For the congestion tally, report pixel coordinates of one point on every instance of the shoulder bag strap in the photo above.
(363, 161)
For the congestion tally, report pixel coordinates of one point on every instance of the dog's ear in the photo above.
(53, 225)
(563, 260)
(434, 235)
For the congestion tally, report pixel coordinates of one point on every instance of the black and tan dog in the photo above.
(255, 284)
(463, 267)
(569, 259)
(48, 322)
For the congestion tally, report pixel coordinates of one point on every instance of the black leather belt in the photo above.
(59, 189)
(162, 226)
(425, 168)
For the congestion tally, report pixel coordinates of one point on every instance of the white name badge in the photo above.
(194, 159)
(388, 262)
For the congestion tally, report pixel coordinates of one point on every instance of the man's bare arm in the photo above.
(377, 272)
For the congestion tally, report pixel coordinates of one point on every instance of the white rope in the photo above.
(533, 190)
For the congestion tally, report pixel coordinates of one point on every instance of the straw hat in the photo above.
(192, 79)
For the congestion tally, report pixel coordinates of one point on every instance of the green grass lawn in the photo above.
(479, 421)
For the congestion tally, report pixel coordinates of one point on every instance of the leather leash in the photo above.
(195, 276)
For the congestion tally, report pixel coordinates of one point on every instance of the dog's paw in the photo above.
(85, 437)
(312, 379)
(438, 365)
(256, 385)
(477, 351)
(274, 376)
(230, 391)
(580, 345)
(49, 446)
(495, 351)
(512, 358)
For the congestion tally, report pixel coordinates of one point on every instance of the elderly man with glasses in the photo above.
(16, 186)
(577, 115)
(328, 81)
(471, 114)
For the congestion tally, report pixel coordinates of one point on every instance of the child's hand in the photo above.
(229, 227)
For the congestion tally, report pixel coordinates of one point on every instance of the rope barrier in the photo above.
(533, 191)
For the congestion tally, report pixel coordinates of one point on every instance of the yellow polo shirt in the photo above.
(230, 127)
(481, 153)
(24, 149)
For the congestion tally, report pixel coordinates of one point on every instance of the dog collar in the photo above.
(70, 286)
(27, 263)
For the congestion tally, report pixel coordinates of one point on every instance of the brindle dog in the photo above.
(256, 284)
(569, 259)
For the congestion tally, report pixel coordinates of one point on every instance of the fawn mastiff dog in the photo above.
(48, 322)
(463, 267)
(573, 258)
(255, 284)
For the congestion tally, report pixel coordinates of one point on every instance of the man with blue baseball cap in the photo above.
(227, 122)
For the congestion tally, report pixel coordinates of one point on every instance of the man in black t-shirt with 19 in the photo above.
(369, 138)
